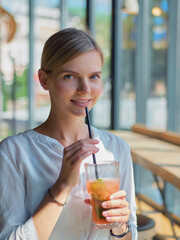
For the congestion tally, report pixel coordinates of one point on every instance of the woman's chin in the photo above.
(80, 112)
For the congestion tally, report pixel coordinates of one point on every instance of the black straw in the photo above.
(90, 135)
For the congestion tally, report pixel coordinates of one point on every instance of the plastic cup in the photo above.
(101, 189)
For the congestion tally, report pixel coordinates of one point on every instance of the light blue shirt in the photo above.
(30, 164)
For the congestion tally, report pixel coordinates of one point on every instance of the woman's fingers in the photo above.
(119, 214)
(122, 219)
(73, 155)
(80, 150)
(80, 143)
(116, 212)
(80, 154)
(117, 203)
(117, 208)
(119, 194)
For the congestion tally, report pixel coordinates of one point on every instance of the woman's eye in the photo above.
(95, 77)
(69, 77)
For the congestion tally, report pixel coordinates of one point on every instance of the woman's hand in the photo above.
(118, 211)
(118, 208)
(73, 156)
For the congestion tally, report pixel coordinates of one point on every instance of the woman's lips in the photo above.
(81, 102)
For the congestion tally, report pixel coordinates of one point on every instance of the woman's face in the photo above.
(76, 85)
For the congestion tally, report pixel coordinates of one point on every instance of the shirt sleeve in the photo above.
(127, 184)
(15, 222)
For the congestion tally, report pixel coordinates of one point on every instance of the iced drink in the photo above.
(101, 189)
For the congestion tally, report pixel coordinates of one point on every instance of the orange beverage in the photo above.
(100, 191)
(102, 180)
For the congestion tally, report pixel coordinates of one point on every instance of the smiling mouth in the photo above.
(81, 102)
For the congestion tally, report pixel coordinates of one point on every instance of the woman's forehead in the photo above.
(88, 60)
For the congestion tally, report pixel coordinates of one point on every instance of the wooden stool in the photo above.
(146, 230)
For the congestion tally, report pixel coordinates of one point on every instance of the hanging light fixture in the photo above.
(156, 11)
(131, 7)
(7, 26)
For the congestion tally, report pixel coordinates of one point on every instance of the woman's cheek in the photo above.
(64, 88)
(99, 88)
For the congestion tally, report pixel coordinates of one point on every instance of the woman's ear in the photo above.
(43, 79)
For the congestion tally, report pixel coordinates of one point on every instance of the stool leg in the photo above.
(168, 215)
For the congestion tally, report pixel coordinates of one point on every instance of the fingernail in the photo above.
(108, 218)
(112, 197)
(105, 214)
(104, 204)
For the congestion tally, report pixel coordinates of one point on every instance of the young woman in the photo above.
(42, 170)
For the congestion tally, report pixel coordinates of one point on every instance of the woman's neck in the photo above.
(66, 131)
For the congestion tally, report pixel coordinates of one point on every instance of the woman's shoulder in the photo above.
(17, 138)
(13, 144)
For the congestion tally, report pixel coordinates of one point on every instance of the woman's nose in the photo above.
(84, 86)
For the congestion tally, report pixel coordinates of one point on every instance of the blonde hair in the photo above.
(65, 45)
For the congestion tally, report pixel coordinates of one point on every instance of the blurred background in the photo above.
(141, 73)
(147, 86)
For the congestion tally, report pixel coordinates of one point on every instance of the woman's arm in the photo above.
(48, 211)
(14, 219)
(15, 222)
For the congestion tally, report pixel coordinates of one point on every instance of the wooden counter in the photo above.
(159, 157)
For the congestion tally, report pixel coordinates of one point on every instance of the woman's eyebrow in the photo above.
(98, 72)
(70, 71)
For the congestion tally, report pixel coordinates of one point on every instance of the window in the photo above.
(101, 111)
(46, 23)
(127, 92)
(157, 97)
(13, 65)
